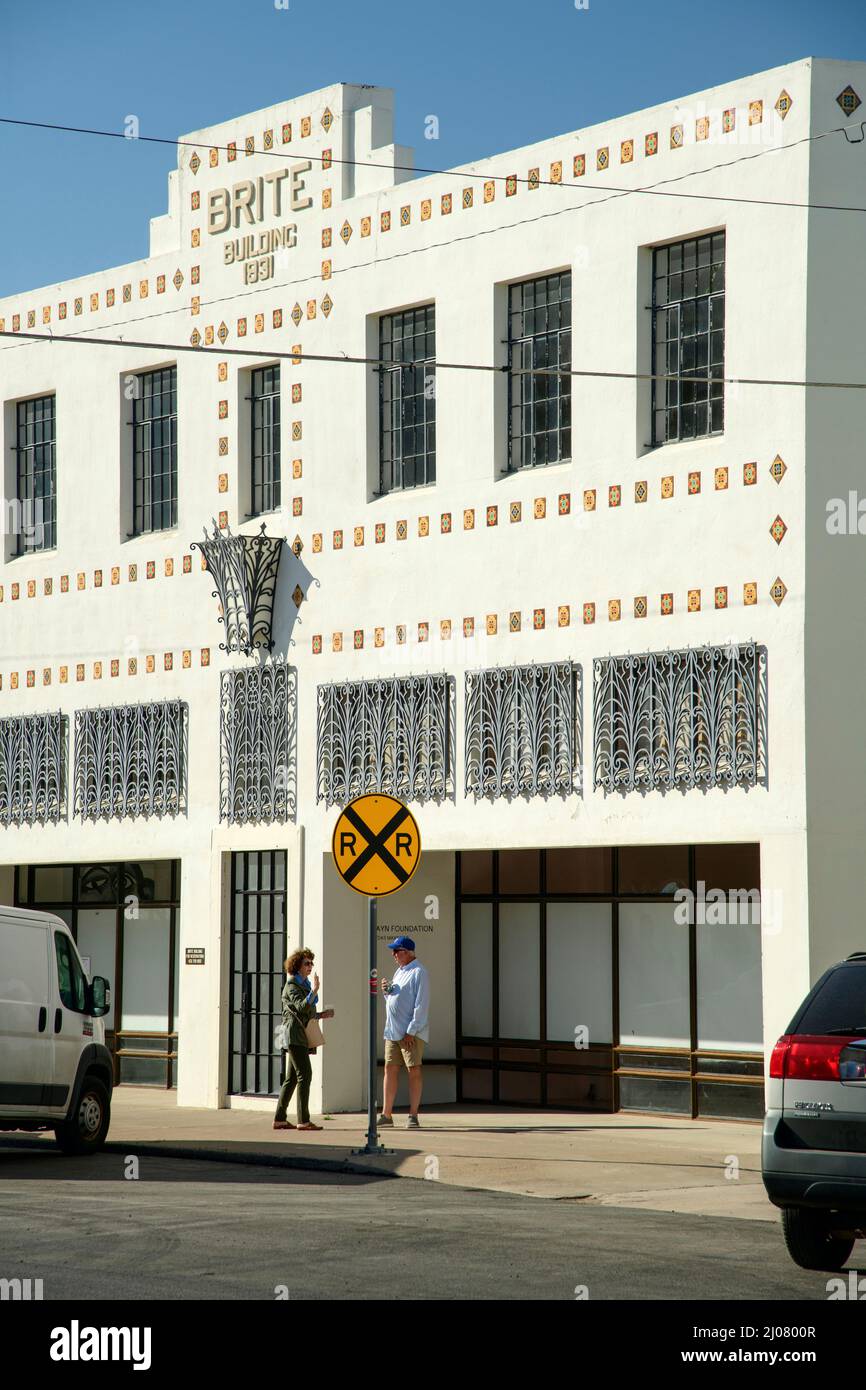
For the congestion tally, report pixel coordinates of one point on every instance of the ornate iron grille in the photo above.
(244, 569)
(32, 768)
(523, 730)
(130, 760)
(257, 744)
(390, 735)
(693, 718)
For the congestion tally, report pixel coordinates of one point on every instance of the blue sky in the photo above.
(497, 75)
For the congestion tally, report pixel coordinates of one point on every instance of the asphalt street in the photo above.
(186, 1229)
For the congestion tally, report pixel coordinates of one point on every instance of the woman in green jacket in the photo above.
(300, 998)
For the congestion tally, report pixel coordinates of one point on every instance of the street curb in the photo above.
(260, 1160)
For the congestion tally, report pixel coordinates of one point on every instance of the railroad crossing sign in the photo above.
(376, 845)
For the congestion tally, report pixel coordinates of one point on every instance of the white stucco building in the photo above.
(491, 546)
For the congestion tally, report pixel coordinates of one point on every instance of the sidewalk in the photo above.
(658, 1163)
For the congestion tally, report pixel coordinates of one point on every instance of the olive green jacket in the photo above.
(296, 1013)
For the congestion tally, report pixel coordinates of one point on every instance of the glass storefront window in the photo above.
(52, 883)
(476, 871)
(97, 932)
(519, 970)
(519, 870)
(653, 976)
(650, 869)
(730, 867)
(146, 944)
(730, 1013)
(579, 871)
(476, 969)
(579, 971)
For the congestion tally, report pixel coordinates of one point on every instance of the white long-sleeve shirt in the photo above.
(407, 1003)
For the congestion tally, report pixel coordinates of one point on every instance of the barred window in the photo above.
(523, 730)
(265, 450)
(539, 401)
(257, 744)
(691, 718)
(407, 398)
(688, 327)
(32, 768)
(154, 429)
(389, 736)
(130, 760)
(36, 493)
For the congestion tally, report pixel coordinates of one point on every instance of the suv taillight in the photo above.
(805, 1057)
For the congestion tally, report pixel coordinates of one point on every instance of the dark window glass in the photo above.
(539, 349)
(265, 447)
(729, 867)
(688, 328)
(519, 870)
(476, 871)
(726, 1101)
(407, 398)
(653, 868)
(839, 1003)
(579, 871)
(69, 975)
(154, 474)
(36, 519)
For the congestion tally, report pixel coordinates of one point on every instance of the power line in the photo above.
(348, 360)
(657, 189)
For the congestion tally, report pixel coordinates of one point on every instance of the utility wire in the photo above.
(379, 362)
(653, 190)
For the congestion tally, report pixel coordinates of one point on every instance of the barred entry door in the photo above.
(258, 949)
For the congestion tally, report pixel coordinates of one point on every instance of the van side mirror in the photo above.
(100, 996)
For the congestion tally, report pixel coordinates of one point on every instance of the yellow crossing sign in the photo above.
(376, 845)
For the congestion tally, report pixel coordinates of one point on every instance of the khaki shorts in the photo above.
(408, 1054)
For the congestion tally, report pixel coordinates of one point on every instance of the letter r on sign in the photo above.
(347, 842)
(403, 843)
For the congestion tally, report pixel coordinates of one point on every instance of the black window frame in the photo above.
(36, 461)
(539, 401)
(265, 463)
(151, 512)
(407, 405)
(688, 339)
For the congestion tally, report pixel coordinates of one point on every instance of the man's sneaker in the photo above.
(384, 1121)
(413, 1122)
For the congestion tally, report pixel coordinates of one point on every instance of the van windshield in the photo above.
(70, 977)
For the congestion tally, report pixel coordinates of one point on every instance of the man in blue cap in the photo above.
(407, 1007)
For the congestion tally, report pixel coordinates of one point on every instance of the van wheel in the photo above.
(85, 1130)
(809, 1242)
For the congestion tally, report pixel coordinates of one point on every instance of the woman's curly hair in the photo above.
(293, 964)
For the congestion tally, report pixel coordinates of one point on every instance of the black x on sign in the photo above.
(376, 845)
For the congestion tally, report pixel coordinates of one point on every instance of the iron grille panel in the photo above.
(130, 760)
(257, 744)
(32, 768)
(391, 735)
(691, 718)
(523, 730)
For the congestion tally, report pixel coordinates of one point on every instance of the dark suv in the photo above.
(814, 1146)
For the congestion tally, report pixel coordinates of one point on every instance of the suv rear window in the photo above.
(840, 1002)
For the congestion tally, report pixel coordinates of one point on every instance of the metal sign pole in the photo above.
(372, 1146)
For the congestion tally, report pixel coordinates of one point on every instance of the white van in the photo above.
(55, 1070)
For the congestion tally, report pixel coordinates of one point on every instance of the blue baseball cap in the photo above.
(404, 943)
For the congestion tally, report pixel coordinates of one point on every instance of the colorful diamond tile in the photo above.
(778, 469)
(445, 205)
(317, 644)
(721, 479)
(445, 523)
(380, 532)
(614, 495)
(445, 629)
(579, 165)
(401, 634)
(317, 542)
(641, 491)
(514, 622)
(694, 601)
(556, 171)
(402, 530)
(602, 157)
(337, 642)
(667, 487)
(492, 516)
(423, 632)
(626, 151)
(651, 143)
(778, 530)
(426, 209)
(297, 506)
(778, 591)
(515, 511)
(640, 606)
(563, 615)
(378, 637)
(694, 483)
(539, 508)
(589, 499)
(614, 610)
(492, 623)
(676, 137)
(337, 540)
(468, 519)
(848, 101)
(589, 612)
(720, 596)
(750, 474)
(533, 178)
(702, 128)
(564, 503)
(756, 112)
(468, 195)
(359, 535)
(784, 102)
(667, 604)
(510, 185)
(359, 638)
(489, 190)
(468, 627)
(729, 120)
(750, 594)
(423, 526)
